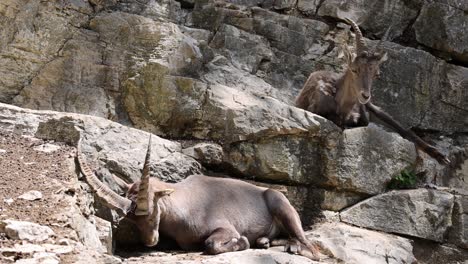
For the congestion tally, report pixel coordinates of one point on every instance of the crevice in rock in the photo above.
(452, 59)
(184, 4)
(408, 36)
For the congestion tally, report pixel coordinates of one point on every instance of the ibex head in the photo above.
(363, 66)
(141, 204)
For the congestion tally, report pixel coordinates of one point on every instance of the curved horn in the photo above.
(384, 38)
(143, 199)
(360, 45)
(113, 200)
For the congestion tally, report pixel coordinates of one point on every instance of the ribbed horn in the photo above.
(143, 199)
(112, 200)
(360, 44)
(384, 38)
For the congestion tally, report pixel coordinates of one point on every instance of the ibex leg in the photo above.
(225, 240)
(408, 134)
(284, 213)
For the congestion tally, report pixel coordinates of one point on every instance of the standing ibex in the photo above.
(217, 214)
(345, 98)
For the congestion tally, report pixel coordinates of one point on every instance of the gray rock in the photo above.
(293, 159)
(205, 153)
(31, 195)
(459, 231)
(40, 258)
(308, 6)
(366, 159)
(25, 230)
(355, 245)
(336, 201)
(333, 159)
(104, 229)
(89, 234)
(421, 91)
(69, 91)
(116, 148)
(374, 17)
(175, 167)
(250, 256)
(57, 249)
(25, 249)
(439, 27)
(284, 4)
(421, 213)
(436, 253)
(33, 33)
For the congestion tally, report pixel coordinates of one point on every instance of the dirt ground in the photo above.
(22, 169)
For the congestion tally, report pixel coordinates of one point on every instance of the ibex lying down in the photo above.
(215, 214)
(345, 98)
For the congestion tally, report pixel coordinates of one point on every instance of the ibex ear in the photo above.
(121, 183)
(164, 192)
(383, 57)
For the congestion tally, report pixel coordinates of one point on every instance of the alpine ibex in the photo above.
(345, 98)
(215, 214)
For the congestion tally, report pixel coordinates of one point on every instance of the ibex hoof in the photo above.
(263, 242)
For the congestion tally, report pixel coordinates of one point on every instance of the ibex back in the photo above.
(345, 98)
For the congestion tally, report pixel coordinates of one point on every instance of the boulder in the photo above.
(436, 253)
(20, 230)
(208, 154)
(421, 213)
(32, 34)
(419, 90)
(25, 250)
(374, 17)
(332, 159)
(308, 6)
(439, 27)
(366, 159)
(336, 201)
(459, 231)
(356, 245)
(249, 256)
(119, 149)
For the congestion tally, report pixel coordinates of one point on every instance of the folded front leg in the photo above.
(225, 240)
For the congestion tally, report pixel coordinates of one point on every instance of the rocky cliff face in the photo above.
(217, 79)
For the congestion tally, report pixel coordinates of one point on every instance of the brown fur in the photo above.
(345, 98)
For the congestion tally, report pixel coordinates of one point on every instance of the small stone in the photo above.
(41, 258)
(31, 195)
(25, 230)
(22, 249)
(206, 153)
(63, 242)
(47, 148)
(2, 151)
(8, 201)
(57, 249)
